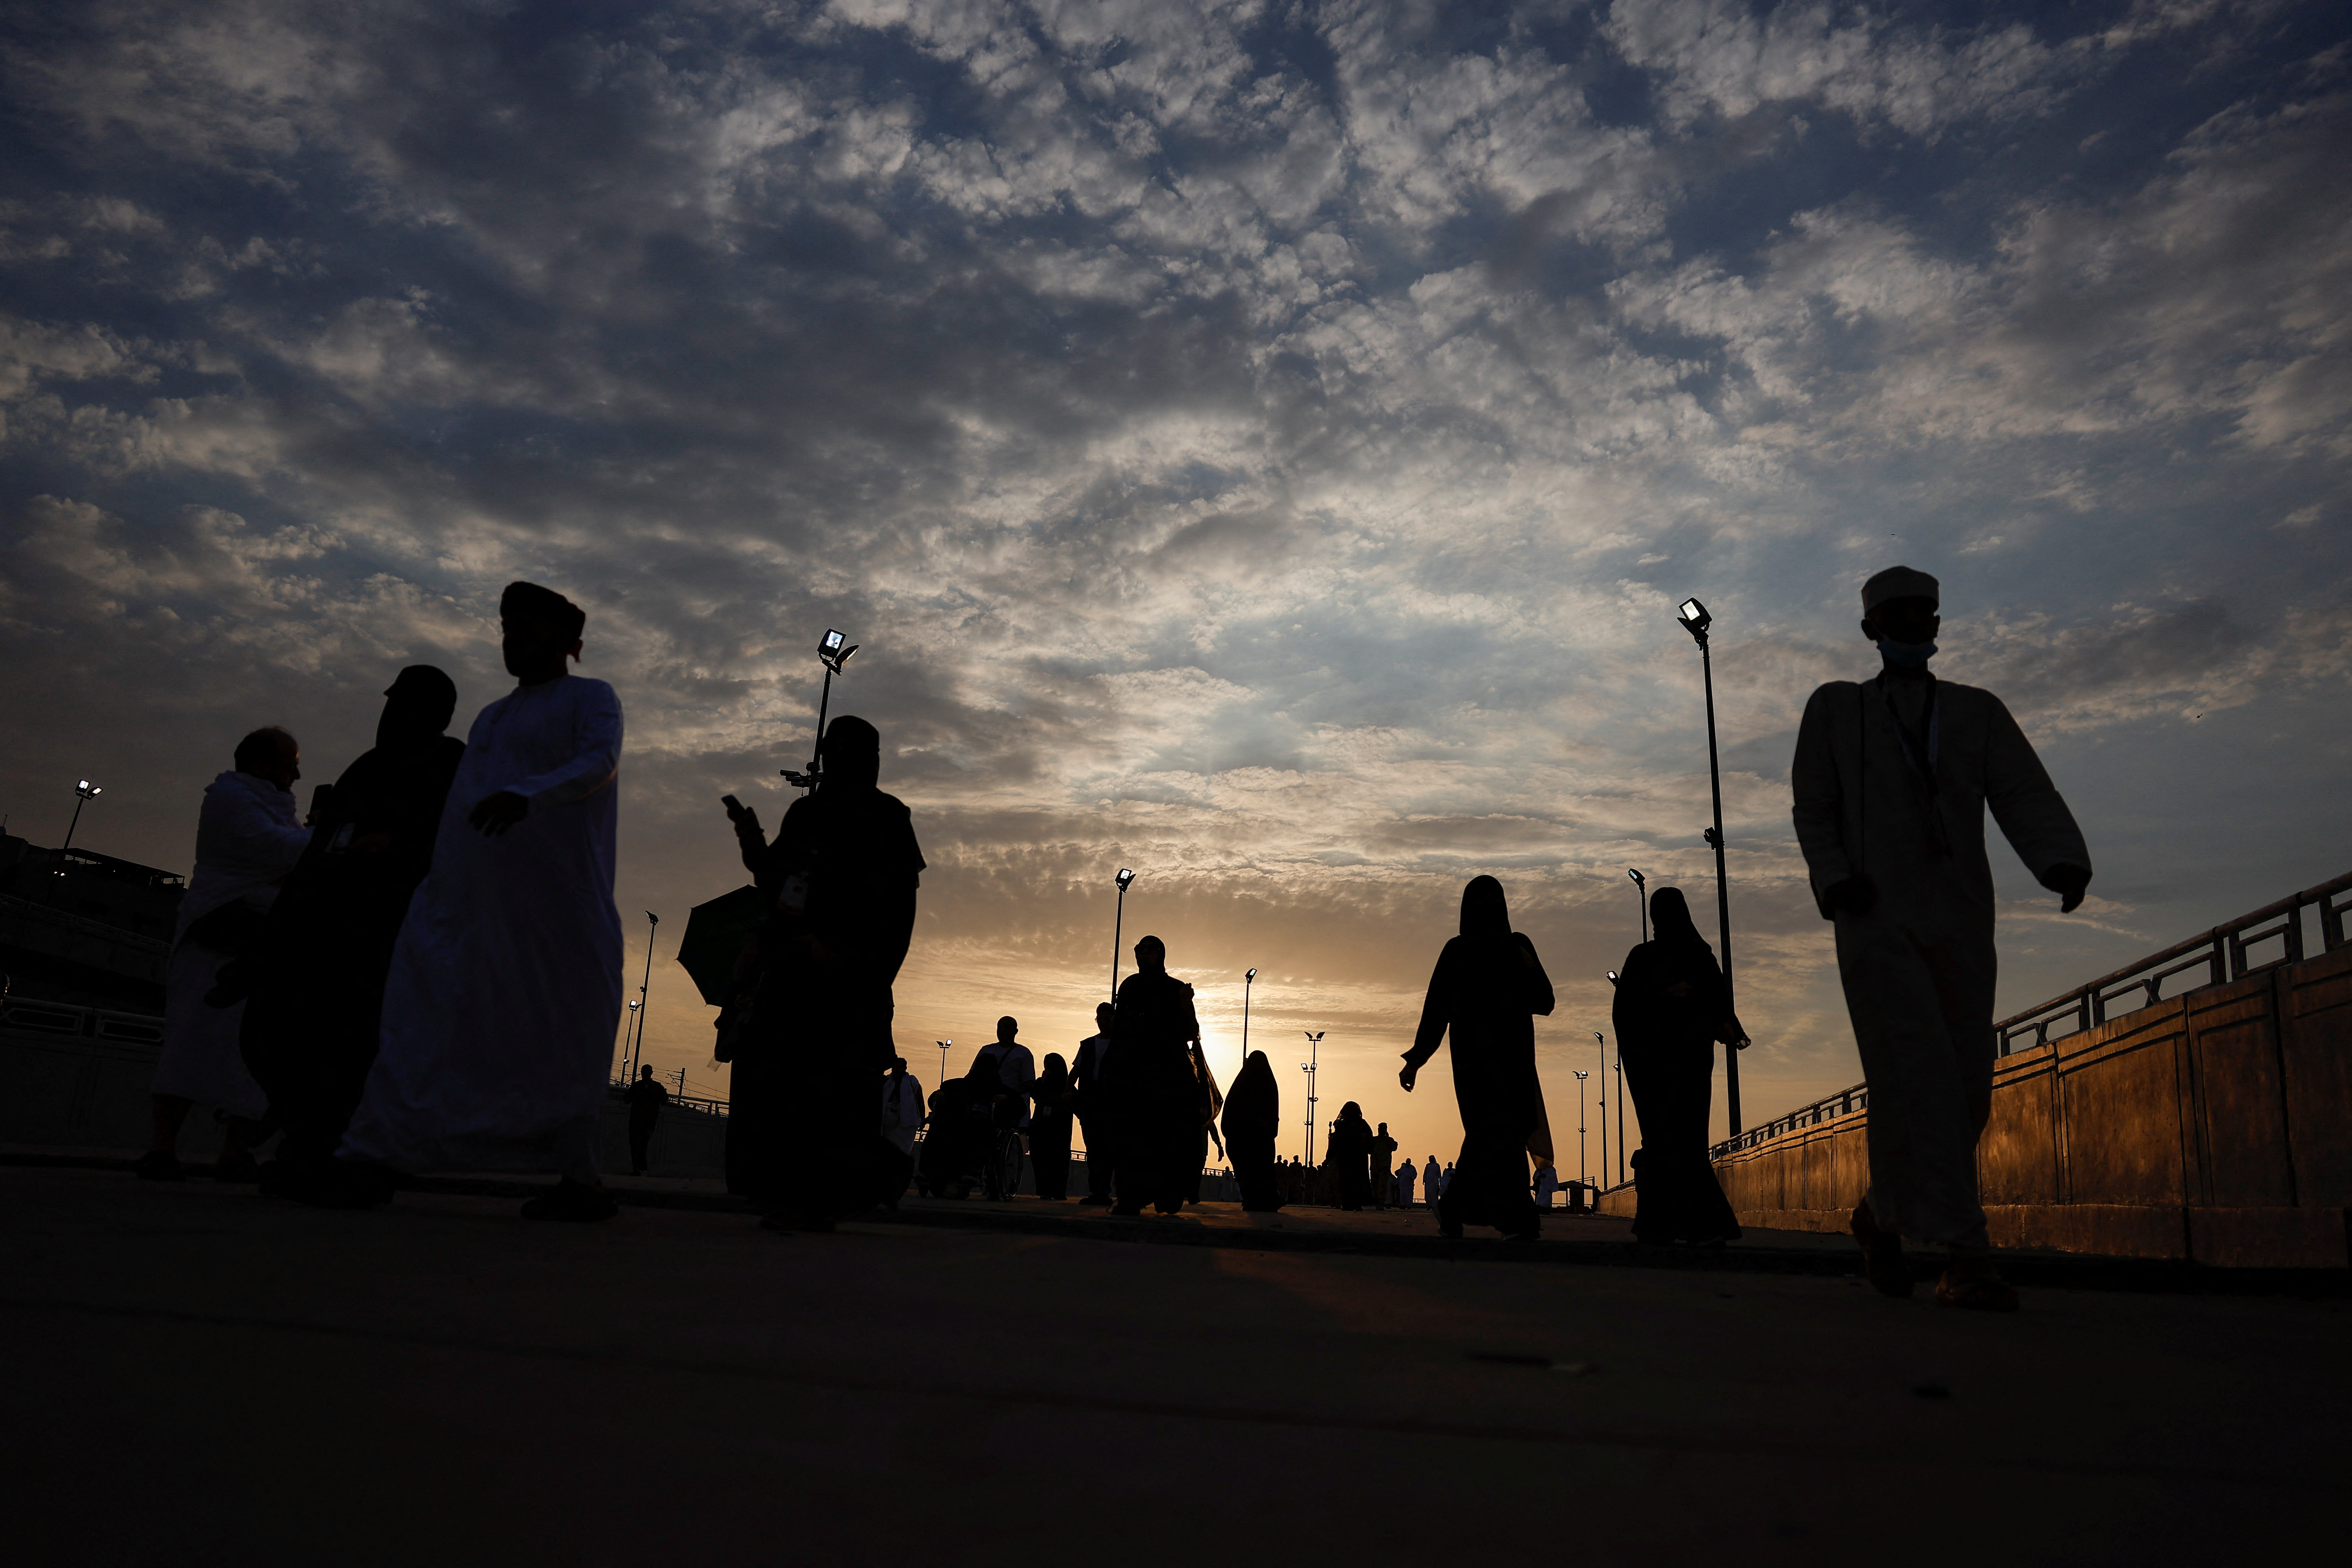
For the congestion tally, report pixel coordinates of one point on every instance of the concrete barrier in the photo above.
(2214, 1126)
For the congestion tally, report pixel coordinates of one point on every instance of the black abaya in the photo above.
(1486, 992)
(1049, 1132)
(1253, 1116)
(800, 1134)
(316, 978)
(1158, 1094)
(1670, 1004)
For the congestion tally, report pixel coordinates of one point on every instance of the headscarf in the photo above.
(1053, 1079)
(852, 754)
(417, 707)
(1670, 917)
(1483, 912)
(1254, 1104)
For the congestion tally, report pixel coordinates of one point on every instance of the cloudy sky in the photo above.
(1261, 444)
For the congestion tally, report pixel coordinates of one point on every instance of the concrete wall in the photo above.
(92, 1092)
(2215, 1126)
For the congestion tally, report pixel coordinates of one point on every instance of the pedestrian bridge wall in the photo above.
(2214, 1126)
(80, 1078)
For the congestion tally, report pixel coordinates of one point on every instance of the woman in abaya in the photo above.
(1672, 1006)
(1049, 1129)
(1253, 1116)
(1486, 991)
(1347, 1153)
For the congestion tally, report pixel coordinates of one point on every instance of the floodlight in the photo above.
(1123, 878)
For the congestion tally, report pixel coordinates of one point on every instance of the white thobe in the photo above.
(1919, 969)
(505, 990)
(1405, 1179)
(902, 1110)
(248, 839)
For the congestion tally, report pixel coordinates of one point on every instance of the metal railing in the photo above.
(2219, 956)
(65, 1021)
(2222, 954)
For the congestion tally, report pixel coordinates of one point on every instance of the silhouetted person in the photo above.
(902, 1106)
(505, 988)
(315, 983)
(902, 1117)
(1892, 779)
(248, 840)
(1252, 1118)
(1049, 1129)
(1156, 1088)
(1672, 1006)
(1404, 1180)
(841, 879)
(645, 1097)
(963, 1122)
(1016, 1072)
(1095, 1107)
(1429, 1177)
(1486, 988)
(1383, 1150)
(1346, 1154)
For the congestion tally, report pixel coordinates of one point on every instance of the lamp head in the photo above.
(833, 649)
(1694, 618)
(1249, 976)
(1639, 879)
(1123, 878)
(1612, 977)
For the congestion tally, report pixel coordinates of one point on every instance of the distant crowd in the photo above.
(425, 973)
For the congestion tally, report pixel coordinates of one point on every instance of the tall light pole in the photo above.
(84, 793)
(943, 1046)
(629, 1037)
(1603, 1047)
(1696, 620)
(832, 651)
(1247, 981)
(1580, 1077)
(1117, 927)
(1641, 899)
(1314, 1054)
(646, 986)
(1620, 1112)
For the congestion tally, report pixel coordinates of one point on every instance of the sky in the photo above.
(1259, 444)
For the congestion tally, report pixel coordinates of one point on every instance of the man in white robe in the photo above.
(505, 991)
(1406, 1176)
(248, 840)
(1892, 780)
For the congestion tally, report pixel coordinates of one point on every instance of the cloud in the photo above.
(1262, 445)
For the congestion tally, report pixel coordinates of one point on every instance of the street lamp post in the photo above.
(1696, 620)
(1117, 927)
(643, 989)
(629, 1037)
(84, 793)
(832, 651)
(1247, 981)
(1620, 1112)
(1641, 899)
(943, 1046)
(1580, 1077)
(1314, 1054)
(1603, 1046)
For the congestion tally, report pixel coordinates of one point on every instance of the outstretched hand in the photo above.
(1406, 1077)
(2069, 882)
(494, 814)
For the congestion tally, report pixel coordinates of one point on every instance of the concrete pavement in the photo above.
(203, 1375)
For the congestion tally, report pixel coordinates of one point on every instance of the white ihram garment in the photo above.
(248, 839)
(505, 991)
(1919, 969)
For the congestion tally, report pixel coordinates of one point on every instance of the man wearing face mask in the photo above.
(1892, 778)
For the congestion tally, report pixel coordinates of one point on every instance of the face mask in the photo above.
(1906, 655)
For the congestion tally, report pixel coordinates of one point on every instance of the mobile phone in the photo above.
(734, 808)
(321, 798)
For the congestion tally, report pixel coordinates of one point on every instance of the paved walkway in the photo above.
(201, 1375)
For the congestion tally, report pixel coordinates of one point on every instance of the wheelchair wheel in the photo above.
(1004, 1166)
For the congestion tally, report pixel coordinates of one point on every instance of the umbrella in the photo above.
(715, 934)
